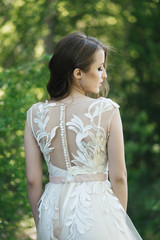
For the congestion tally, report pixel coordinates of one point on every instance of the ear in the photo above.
(77, 73)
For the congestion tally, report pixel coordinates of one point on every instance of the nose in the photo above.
(104, 75)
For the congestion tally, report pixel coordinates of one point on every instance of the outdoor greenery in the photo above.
(29, 31)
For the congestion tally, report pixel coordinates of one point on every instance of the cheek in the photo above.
(94, 77)
(91, 80)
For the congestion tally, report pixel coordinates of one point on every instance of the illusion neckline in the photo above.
(71, 100)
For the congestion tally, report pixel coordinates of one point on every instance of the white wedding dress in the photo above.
(78, 142)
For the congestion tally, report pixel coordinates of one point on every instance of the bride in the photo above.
(81, 140)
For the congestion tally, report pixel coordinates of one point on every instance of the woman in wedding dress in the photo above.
(81, 141)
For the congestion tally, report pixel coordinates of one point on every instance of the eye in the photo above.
(100, 69)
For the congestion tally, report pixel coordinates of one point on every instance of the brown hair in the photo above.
(75, 50)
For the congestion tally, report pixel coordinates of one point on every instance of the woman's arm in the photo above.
(116, 158)
(33, 170)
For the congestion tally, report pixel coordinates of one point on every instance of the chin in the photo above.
(96, 91)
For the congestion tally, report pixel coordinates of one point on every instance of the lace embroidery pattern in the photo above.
(81, 218)
(49, 202)
(90, 157)
(42, 136)
(110, 202)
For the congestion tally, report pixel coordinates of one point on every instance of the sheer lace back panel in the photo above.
(73, 135)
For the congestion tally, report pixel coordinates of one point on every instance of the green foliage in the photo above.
(31, 28)
(20, 88)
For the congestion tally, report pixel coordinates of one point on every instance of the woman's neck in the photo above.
(76, 91)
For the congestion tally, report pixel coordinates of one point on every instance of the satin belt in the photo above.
(77, 178)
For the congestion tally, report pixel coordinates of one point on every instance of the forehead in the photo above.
(99, 56)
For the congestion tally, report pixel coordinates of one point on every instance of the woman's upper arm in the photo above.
(115, 147)
(33, 157)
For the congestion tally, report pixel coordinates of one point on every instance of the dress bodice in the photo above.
(73, 137)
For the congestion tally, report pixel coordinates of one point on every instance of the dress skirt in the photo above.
(83, 211)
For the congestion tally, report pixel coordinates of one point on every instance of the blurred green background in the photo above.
(29, 31)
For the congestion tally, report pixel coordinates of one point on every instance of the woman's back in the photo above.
(74, 133)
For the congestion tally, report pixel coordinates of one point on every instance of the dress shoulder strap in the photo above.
(30, 113)
(115, 106)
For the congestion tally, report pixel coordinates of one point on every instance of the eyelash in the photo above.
(100, 69)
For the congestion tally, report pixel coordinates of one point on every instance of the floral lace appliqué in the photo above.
(81, 218)
(43, 137)
(91, 156)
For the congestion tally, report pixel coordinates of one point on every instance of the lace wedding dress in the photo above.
(78, 142)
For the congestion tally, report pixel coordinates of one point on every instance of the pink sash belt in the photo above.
(78, 178)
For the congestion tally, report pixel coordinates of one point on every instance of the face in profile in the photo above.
(91, 81)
